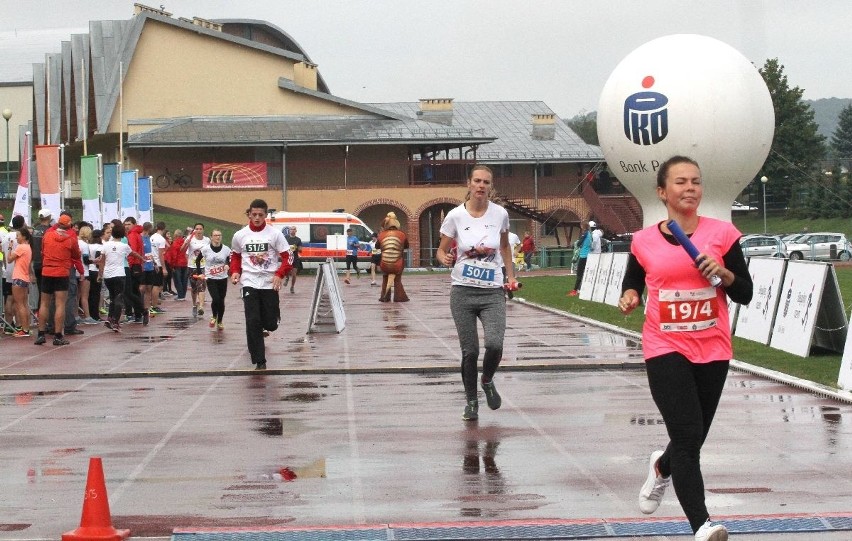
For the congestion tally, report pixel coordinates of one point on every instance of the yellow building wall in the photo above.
(175, 73)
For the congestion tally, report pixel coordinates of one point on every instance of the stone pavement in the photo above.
(363, 429)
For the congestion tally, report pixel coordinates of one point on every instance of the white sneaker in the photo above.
(654, 487)
(711, 532)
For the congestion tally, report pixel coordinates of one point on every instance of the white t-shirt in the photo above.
(194, 250)
(514, 241)
(94, 251)
(216, 263)
(9, 241)
(260, 252)
(478, 259)
(597, 234)
(158, 242)
(115, 255)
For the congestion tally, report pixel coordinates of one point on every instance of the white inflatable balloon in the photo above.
(689, 95)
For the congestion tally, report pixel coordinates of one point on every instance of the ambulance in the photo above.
(323, 235)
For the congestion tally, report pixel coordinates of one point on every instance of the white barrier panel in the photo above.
(589, 277)
(327, 304)
(756, 319)
(616, 276)
(844, 378)
(602, 278)
(810, 311)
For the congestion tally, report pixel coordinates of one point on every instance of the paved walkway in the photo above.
(369, 423)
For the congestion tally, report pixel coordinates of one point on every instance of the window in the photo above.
(545, 169)
(320, 232)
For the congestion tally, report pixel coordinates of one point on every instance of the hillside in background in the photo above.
(826, 111)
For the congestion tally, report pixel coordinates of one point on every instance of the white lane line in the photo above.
(116, 495)
(454, 349)
(358, 506)
(620, 507)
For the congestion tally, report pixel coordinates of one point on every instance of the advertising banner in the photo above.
(229, 176)
(756, 319)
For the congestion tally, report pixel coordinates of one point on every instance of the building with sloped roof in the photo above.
(163, 94)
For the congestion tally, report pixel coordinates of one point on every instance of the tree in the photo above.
(585, 125)
(797, 146)
(841, 139)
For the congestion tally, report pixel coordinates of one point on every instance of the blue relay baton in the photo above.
(690, 248)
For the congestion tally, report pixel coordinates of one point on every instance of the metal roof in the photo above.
(297, 130)
(512, 123)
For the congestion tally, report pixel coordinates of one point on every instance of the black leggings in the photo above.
(218, 288)
(581, 269)
(115, 286)
(94, 299)
(687, 395)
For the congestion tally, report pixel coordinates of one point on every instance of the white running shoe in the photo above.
(654, 487)
(711, 532)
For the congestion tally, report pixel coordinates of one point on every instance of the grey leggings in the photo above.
(489, 306)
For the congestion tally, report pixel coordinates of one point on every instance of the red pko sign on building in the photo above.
(224, 176)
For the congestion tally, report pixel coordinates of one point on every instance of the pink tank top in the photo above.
(684, 313)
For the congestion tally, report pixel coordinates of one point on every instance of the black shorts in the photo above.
(148, 278)
(52, 284)
(7, 288)
(158, 278)
(297, 264)
(351, 262)
(376, 259)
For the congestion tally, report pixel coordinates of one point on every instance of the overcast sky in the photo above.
(557, 51)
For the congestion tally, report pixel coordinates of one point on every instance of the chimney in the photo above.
(204, 23)
(305, 75)
(141, 8)
(438, 110)
(544, 127)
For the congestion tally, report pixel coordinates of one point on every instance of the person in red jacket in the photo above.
(134, 307)
(179, 263)
(59, 251)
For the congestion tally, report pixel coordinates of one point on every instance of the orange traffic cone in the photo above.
(96, 524)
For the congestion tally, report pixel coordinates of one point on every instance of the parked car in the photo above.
(763, 245)
(821, 247)
(739, 207)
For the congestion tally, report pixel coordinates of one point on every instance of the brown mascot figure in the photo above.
(393, 243)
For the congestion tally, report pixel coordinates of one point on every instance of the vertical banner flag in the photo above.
(89, 193)
(22, 199)
(47, 169)
(128, 195)
(110, 197)
(143, 199)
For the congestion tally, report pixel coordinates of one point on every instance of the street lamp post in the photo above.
(763, 180)
(7, 114)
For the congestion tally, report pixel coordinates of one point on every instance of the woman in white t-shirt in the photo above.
(217, 258)
(111, 272)
(475, 243)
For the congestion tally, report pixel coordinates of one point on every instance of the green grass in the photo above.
(821, 367)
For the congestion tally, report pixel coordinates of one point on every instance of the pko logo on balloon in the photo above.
(646, 118)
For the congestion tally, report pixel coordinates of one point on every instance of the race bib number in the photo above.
(686, 310)
(480, 273)
(218, 269)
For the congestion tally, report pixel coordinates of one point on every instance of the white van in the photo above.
(323, 234)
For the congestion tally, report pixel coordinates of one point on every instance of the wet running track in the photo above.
(358, 435)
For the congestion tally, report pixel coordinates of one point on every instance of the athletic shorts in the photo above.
(52, 284)
(351, 261)
(7, 288)
(148, 277)
(197, 284)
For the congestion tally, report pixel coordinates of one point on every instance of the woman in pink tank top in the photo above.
(686, 338)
